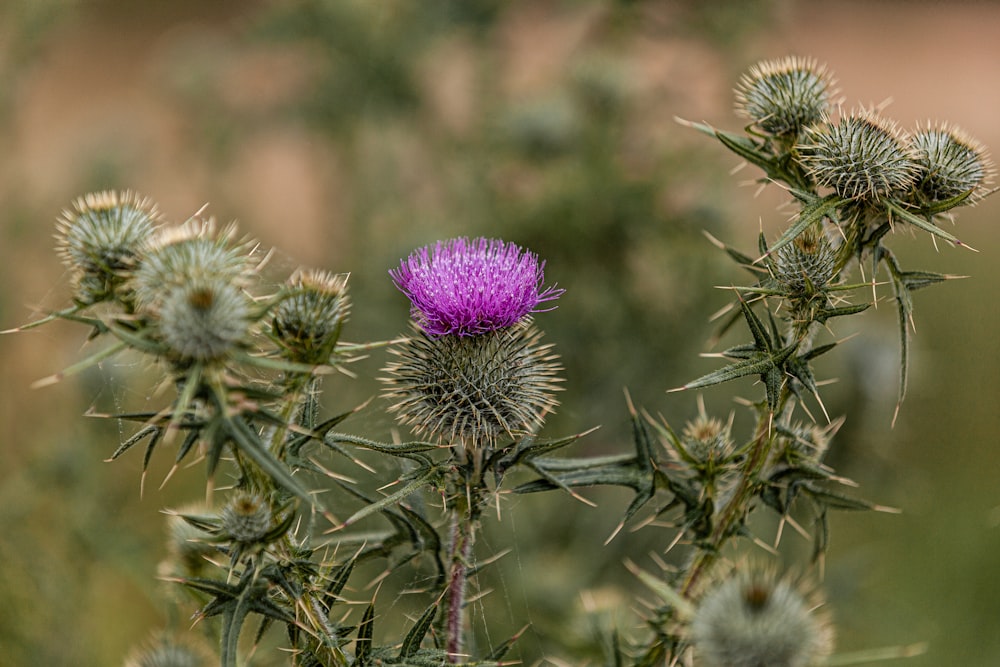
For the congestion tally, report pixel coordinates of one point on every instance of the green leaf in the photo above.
(363, 645)
(413, 639)
(897, 210)
(824, 314)
(250, 444)
(915, 280)
(339, 578)
(810, 214)
(944, 205)
(839, 501)
(392, 498)
(761, 337)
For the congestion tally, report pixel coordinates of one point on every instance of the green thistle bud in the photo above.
(247, 518)
(307, 323)
(806, 264)
(753, 619)
(101, 240)
(474, 389)
(204, 320)
(191, 253)
(781, 97)
(949, 164)
(862, 156)
(167, 651)
(707, 439)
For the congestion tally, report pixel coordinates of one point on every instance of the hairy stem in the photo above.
(461, 540)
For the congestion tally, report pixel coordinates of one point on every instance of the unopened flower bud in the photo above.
(806, 264)
(707, 439)
(101, 240)
(781, 97)
(949, 164)
(247, 518)
(192, 253)
(307, 323)
(203, 320)
(474, 389)
(861, 156)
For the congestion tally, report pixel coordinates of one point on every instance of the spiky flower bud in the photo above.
(861, 156)
(707, 439)
(806, 264)
(307, 323)
(191, 253)
(473, 389)
(204, 319)
(101, 239)
(247, 518)
(753, 618)
(465, 288)
(167, 651)
(783, 96)
(949, 164)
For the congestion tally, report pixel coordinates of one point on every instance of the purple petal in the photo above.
(465, 288)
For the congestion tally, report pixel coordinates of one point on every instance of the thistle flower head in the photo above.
(204, 319)
(247, 518)
(307, 323)
(950, 163)
(474, 389)
(467, 288)
(861, 156)
(192, 252)
(806, 264)
(101, 239)
(753, 618)
(707, 439)
(783, 96)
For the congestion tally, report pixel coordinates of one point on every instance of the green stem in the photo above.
(736, 509)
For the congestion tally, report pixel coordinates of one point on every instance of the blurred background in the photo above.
(345, 133)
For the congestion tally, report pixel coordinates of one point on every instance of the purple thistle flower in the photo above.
(466, 288)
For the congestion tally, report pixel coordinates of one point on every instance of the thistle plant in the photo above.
(305, 508)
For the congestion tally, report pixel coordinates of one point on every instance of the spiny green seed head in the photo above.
(101, 239)
(753, 618)
(204, 319)
(950, 163)
(247, 518)
(473, 389)
(783, 96)
(307, 323)
(707, 439)
(167, 651)
(806, 264)
(189, 253)
(861, 156)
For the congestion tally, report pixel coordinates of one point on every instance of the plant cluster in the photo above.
(474, 381)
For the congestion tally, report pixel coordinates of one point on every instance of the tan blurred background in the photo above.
(347, 133)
